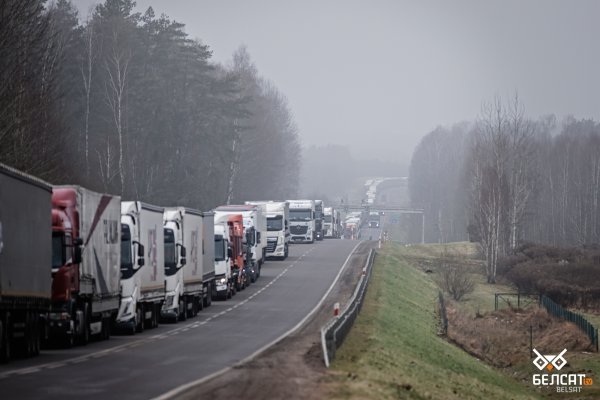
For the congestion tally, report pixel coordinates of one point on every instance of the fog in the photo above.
(377, 76)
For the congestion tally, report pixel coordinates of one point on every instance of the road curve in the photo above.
(159, 360)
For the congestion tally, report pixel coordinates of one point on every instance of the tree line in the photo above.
(127, 103)
(505, 179)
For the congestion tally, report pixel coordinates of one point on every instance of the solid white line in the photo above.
(179, 390)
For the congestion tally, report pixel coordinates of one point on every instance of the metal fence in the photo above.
(443, 316)
(575, 318)
(335, 331)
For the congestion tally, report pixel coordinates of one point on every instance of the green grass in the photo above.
(394, 352)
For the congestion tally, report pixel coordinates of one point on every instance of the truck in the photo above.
(239, 251)
(255, 230)
(142, 266)
(224, 287)
(302, 220)
(185, 245)
(25, 254)
(86, 264)
(319, 219)
(278, 229)
(374, 219)
(332, 226)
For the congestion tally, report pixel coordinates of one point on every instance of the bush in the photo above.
(568, 275)
(455, 281)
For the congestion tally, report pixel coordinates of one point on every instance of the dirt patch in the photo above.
(502, 338)
(291, 368)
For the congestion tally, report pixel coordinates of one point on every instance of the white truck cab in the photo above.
(302, 221)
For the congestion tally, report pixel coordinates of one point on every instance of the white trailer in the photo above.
(278, 229)
(208, 257)
(183, 263)
(93, 220)
(142, 266)
(302, 220)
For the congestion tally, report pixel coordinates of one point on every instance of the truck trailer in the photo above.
(142, 266)
(86, 264)
(25, 257)
(184, 256)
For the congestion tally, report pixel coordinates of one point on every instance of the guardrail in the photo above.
(335, 331)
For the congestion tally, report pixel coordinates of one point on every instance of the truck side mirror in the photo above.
(182, 254)
(257, 237)
(77, 243)
(76, 255)
(140, 254)
(229, 252)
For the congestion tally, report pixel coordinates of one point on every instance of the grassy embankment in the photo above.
(394, 350)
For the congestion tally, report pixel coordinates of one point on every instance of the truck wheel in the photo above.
(85, 328)
(182, 309)
(155, 312)
(5, 349)
(209, 298)
(140, 318)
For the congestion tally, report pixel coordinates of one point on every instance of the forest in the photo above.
(505, 180)
(127, 103)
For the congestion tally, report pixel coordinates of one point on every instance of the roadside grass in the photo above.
(394, 351)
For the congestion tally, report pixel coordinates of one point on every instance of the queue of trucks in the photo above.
(128, 265)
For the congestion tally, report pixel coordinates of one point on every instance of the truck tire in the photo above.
(5, 344)
(140, 318)
(182, 309)
(209, 299)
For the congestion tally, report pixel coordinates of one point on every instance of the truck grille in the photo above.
(298, 230)
(271, 245)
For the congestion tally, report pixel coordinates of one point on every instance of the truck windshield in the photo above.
(300, 215)
(275, 223)
(328, 218)
(170, 259)
(58, 250)
(220, 246)
(126, 256)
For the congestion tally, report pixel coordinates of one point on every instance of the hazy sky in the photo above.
(378, 75)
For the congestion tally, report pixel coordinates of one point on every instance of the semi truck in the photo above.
(184, 257)
(332, 226)
(255, 231)
(86, 264)
(278, 229)
(319, 219)
(239, 251)
(25, 257)
(142, 266)
(302, 220)
(224, 283)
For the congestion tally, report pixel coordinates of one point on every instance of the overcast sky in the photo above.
(378, 75)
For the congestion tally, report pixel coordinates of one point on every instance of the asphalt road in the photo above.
(158, 360)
